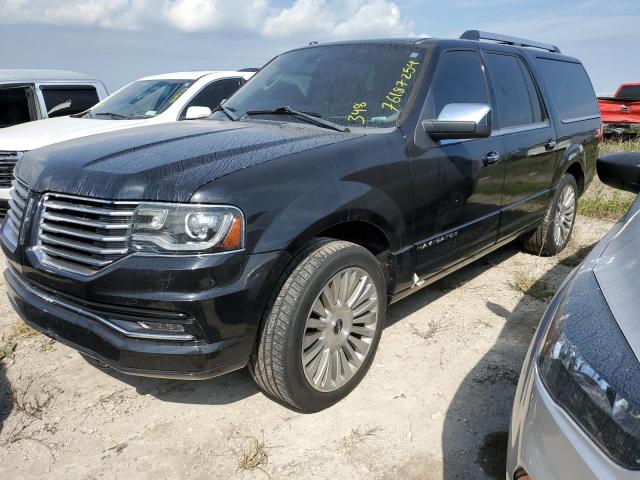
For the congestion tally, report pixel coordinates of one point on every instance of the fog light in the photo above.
(166, 327)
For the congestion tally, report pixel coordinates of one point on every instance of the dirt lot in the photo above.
(434, 405)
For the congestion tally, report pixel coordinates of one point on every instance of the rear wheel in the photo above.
(553, 234)
(321, 333)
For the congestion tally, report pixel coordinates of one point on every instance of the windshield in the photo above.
(141, 99)
(366, 85)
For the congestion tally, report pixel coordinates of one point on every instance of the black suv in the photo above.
(339, 179)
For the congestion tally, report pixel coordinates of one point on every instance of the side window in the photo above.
(537, 105)
(211, 95)
(67, 100)
(570, 89)
(14, 106)
(459, 78)
(513, 91)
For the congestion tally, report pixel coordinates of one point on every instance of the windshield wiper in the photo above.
(112, 115)
(228, 111)
(314, 118)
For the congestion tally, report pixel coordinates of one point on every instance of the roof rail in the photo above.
(507, 40)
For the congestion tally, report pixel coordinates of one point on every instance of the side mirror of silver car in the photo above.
(459, 121)
(620, 170)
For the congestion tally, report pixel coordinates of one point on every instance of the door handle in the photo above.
(491, 158)
(551, 144)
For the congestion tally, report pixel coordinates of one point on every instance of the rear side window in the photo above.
(570, 88)
(458, 79)
(211, 95)
(67, 100)
(517, 100)
(630, 92)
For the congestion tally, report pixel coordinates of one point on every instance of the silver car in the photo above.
(576, 413)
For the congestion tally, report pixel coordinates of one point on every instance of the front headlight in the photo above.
(590, 370)
(185, 228)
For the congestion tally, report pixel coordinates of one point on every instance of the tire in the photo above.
(545, 240)
(278, 365)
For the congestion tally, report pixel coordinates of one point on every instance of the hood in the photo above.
(32, 135)
(167, 162)
(616, 269)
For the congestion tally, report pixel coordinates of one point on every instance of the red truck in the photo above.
(621, 113)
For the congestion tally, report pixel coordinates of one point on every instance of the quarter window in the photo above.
(518, 102)
(570, 89)
(459, 78)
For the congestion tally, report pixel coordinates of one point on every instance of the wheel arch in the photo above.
(574, 162)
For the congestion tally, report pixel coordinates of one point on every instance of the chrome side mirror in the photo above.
(459, 121)
(197, 112)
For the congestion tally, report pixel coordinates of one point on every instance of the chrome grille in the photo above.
(7, 162)
(83, 235)
(18, 196)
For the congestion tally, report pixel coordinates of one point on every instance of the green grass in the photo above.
(601, 201)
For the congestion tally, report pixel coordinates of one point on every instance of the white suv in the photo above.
(157, 99)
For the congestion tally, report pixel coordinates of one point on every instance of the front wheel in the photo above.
(321, 333)
(552, 236)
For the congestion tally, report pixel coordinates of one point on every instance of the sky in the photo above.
(118, 41)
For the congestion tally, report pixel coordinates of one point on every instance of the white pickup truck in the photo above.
(156, 99)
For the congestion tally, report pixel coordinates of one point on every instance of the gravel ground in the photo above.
(435, 404)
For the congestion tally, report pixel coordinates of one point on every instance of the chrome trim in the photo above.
(581, 119)
(81, 311)
(15, 215)
(81, 246)
(95, 210)
(74, 256)
(5, 193)
(522, 128)
(81, 234)
(61, 217)
(77, 243)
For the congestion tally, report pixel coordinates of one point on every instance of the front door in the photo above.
(529, 141)
(458, 184)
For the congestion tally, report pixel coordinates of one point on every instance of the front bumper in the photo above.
(222, 318)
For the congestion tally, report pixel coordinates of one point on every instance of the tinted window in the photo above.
(458, 79)
(537, 105)
(62, 101)
(14, 106)
(141, 99)
(630, 92)
(356, 85)
(570, 89)
(513, 100)
(215, 92)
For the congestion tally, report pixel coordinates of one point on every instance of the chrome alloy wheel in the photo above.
(565, 214)
(340, 329)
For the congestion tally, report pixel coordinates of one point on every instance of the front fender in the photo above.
(291, 200)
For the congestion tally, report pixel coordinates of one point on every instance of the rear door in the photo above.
(529, 141)
(457, 183)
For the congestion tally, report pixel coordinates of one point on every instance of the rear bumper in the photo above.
(621, 128)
